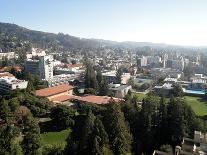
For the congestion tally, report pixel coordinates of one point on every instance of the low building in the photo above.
(165, 72)
(8, 55)
(35, 52)
(9, 82)
(199, 78)
(164, 90)
(74, 66)
(125, 78)
(110, 76)
(63, 94)
(62, 79)
(57, 63)
(170, 80)
(195, 146)
(56, 91)
(120, 91)
(8, 68)
(6, 74)
(84, 99)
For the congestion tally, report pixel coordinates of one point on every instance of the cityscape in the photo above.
(63, 94)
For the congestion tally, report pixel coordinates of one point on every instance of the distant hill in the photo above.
(14, 37)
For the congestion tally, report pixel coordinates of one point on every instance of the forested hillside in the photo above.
(13, 37)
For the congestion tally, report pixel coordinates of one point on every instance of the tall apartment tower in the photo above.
(46, 67)
(43, 67)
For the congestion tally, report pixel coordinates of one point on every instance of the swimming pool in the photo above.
(190, 91)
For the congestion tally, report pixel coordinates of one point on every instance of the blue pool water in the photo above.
(199, 92)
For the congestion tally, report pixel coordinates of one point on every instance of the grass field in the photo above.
(198, 105)
(55, 138)
(140, 96)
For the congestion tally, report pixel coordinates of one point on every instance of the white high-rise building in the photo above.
(46, 67)
(142, 62)
(8, 82)
(43, 67)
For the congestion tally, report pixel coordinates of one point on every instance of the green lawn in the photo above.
(140, 96)
(57, 138)
(198, 105)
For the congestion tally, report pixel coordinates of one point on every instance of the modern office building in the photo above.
(43, 67)
(142, 62)
(120, 91)
(8, 83)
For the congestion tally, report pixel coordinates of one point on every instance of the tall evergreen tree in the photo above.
(90, 77)
(177, 122)
(62, 117)
(5, 112)
(162, 135)
(119, 75)
(88, 137)
(147, 123)
(99, 77)
(103, 88)
(32, 141)
(118, 130)
(8, 134)
(100, 139)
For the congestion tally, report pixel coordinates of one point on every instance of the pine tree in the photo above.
(4, 110)
(88, 137)
(90, 77)
(148, 123)
(99, 77)
(100, 139)
(162, 135)
(7, 137)
(119, 75)
(177, 123)
(118, 130)
(103, 89)
(32, 141)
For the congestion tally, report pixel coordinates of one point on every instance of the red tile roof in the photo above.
(6, 74)
(62, 98)
(74, 65)
(53, 90)
(94, 99)
(86, 99)
(2, 122)
(8, 68)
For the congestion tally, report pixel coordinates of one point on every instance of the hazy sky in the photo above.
(182, 22)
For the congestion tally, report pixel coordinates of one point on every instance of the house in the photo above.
(8, 82)
(8, 55)
(6, 74)
(125, 78)
(8, 68)
(195, 146)
(164, 90)
(56, 91)
(120, 91)
(35, 52)
(110, 77)
(165, 72)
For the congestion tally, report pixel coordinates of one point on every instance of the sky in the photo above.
(179, 22)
